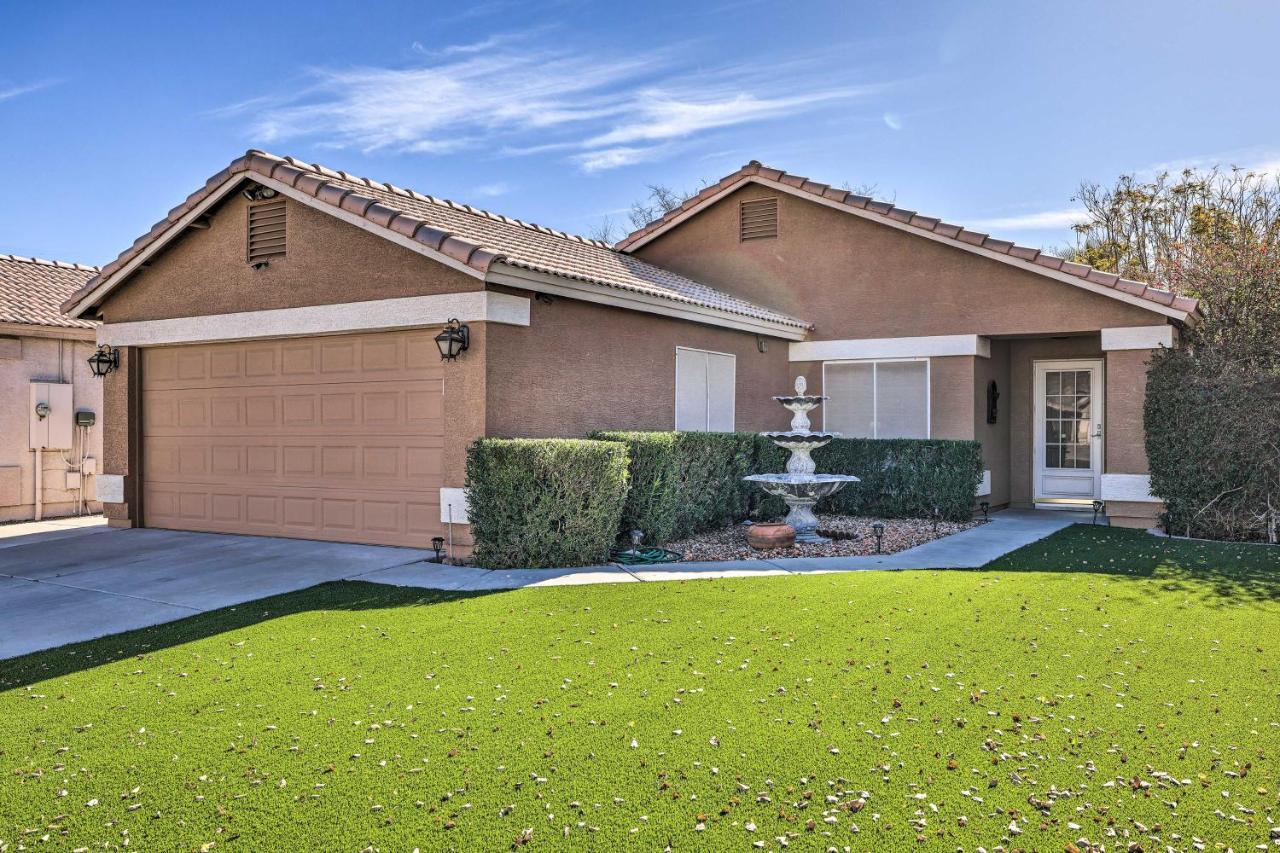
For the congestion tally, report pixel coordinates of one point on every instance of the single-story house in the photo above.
(279, 373)
(47, 459)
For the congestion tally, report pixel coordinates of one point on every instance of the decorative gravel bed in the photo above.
(850, 537)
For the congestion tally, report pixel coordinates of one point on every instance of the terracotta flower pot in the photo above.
(762, 536)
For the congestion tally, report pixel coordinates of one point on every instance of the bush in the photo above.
(899, 477)
(1212, 424)
(545, 502)
(684, 482)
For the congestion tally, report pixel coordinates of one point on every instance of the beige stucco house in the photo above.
(47, 462)
(279, 375)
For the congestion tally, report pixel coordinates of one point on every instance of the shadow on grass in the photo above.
(340, 595)
(1229, 571)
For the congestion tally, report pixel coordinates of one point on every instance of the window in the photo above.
(266, 231)
(704, 391)
(877, 399)
(758, 218)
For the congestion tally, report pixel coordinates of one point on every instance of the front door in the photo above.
(1068, 433)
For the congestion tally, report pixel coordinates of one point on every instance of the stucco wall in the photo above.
(328, 261)
(579, 367)
(994, 437)
(44, 360)
(859, 279)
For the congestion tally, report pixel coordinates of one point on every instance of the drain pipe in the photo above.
(39, 453)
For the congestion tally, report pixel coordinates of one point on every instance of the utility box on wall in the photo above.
(51, 416)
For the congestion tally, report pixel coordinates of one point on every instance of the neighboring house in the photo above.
(278, 372)
(46, 462)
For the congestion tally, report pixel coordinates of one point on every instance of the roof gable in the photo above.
(471, 240)
(1165, 302)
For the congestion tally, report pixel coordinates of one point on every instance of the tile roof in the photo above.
(471, 236)
(32, 290)
(1030, 258)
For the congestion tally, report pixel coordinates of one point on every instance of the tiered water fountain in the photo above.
(800, 487)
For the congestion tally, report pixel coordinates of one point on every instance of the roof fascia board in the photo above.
(302, 198)
(409, 312)
(932, 346)
(37, 330)
(1065, 278)
(512, 276)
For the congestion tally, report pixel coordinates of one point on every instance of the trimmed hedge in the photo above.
(899, 477)
(1211, 436)
(684, 482)
(545, 502)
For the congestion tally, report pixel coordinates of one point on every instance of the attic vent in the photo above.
(758, 218)
(266, 231)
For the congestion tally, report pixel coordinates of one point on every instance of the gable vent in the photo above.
(758, 218)
(266, 231)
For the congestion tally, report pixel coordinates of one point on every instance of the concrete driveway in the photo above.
(62, 582)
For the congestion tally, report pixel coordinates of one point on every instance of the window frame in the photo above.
(733, 392)
(875, 389)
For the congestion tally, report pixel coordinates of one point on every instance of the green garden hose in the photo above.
(644, 556)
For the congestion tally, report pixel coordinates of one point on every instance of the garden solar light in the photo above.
(937, 513)
(1097, 508)
(985, 506)
(437, 545)
(105, 360)
(453, 340)
(877, 530)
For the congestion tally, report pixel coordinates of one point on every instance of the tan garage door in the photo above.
(335, 438)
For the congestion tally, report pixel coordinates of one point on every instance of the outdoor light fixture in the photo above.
(105, 360)
(937, 513)
(437, 545)
(1097, 508)
(985, 506)
(453, 340)
(877, 530)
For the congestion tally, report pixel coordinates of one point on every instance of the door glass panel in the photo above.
(1067, 425)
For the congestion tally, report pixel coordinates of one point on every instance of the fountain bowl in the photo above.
(816, 486)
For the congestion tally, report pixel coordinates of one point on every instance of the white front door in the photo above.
(1068, 432)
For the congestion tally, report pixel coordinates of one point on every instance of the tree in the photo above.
(1213, 235)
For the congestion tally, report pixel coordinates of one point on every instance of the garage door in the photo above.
(335, 438)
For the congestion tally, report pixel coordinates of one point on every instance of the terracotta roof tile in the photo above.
(1032, 257)
(470, 236)
(32, 291)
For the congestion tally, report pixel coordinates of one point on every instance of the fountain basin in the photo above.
(801, 492)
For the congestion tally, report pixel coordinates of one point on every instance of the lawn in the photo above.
(1129, 692)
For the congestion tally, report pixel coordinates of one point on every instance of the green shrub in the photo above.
(545, 502)
(684, 482)
(899, 477)
(1211, 427)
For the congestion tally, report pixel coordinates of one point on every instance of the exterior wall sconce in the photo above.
(877, 530)
(105, 360)
(453, 340)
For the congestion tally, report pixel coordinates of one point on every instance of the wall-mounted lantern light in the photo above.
(105, 360)
(453, 340)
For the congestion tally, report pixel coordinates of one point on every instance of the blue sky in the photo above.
(987, 114)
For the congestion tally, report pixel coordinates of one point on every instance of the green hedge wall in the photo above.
(545, 502)
(684, 482)
(1212, 428)
(900, 477)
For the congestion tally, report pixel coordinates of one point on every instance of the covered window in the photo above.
(704, 390)
(877, 399)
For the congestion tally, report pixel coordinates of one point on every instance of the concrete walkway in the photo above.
(1007, 531)
(67, 580)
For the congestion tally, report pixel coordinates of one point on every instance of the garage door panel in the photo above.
(337, 438)
(375, 357)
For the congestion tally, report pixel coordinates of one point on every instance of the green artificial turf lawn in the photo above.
(1128, 693)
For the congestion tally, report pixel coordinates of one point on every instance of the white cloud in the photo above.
(15, 91)
(1039, 220)
(601, 111)
(493, 190)
(892, 121)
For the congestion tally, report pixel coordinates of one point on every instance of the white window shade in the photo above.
(705, 399)
(877, 399)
